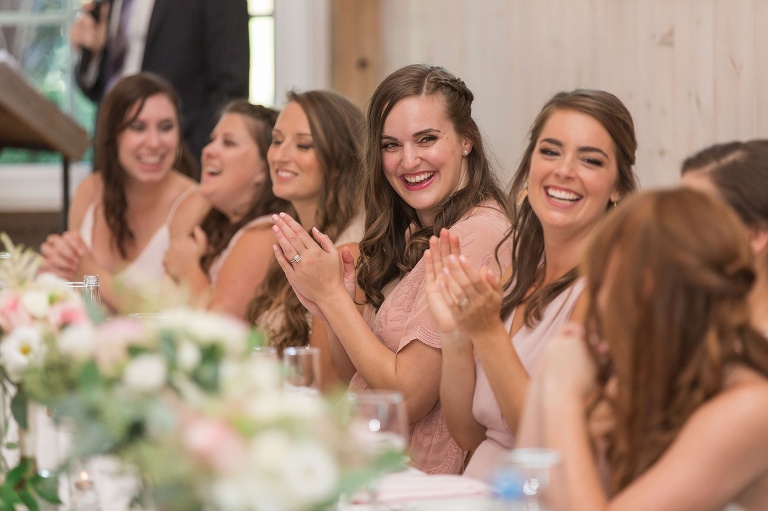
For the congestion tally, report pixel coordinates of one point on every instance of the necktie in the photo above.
(119, 48)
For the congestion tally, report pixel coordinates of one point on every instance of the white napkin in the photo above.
(415, 485)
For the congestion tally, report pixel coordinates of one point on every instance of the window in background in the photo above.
(36, 34)
(262, 32)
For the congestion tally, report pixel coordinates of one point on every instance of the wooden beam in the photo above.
(356, 61)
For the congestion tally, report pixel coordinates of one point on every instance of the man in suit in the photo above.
(200, 46)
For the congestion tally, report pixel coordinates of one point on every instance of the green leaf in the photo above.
(29, 500)
(47, 487)
(16, 475)
(255, 339)
(90, 377)
(19, 408)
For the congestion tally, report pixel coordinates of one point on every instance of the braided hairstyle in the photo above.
(668, 275)
(385, 253)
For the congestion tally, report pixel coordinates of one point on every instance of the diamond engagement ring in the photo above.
(463, 303)
(295, 259)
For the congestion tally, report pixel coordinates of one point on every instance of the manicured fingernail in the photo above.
(275, 218)
(282, 214)
(463, 258)
(275, 229)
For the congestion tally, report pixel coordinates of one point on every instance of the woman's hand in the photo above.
(184, 254)
(435, 258)
(86, 32)
(568, 367)
(314, 269)
(472, 296)
(62, 253)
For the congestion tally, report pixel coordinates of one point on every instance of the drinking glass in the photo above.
(378, 420)
(379, 423)
(301, 366)
(267, 352)
(534, 470)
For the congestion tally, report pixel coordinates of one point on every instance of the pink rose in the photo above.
(113, 339)
(216, 443)
(12, 314)
(67, 314)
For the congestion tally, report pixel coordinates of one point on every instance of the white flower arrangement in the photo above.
(178, 398)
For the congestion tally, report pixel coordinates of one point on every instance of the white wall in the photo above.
(692, 72)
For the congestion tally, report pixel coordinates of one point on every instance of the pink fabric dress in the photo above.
(529, 343)
(218, 263)
(404, 317)
(148, 266)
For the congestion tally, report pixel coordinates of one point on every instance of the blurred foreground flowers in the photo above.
(175, 396)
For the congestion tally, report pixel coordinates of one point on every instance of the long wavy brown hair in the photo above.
(335, 123)
(668, 275)
(260, 120)
(115, 115)
(528, 268)
(385, 251)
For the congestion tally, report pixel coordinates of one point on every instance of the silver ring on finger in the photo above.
(295, 259)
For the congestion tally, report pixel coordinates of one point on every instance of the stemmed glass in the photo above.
(379, 423)
(302, 369)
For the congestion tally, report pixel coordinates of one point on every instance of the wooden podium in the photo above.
(30, 121)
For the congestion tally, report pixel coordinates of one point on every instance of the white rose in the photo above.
(77, 341)
(22, 346)
(188, 355)
(309, 471)
(145, 373)
(268, 448)
(36, 302)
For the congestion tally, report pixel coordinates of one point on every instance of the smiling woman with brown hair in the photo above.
(124, 216)
(425, 169)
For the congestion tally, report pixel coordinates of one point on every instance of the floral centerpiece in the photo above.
(35, 311)
(180, 401)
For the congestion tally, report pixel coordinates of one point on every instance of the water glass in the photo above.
(533, 470)
(301, 367)
(379, 420)
(267, 352)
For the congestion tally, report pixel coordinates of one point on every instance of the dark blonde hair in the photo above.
(334, 122)
(129, 92)
(385, 253)
(259, 120)
(672, 270)
(527, 234)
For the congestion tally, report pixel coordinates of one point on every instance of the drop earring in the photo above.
(523, 194)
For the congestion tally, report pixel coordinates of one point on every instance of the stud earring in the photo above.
(466, 152)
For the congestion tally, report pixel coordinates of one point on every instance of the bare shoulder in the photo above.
(743, 403)
(258, 237)
(83, 197)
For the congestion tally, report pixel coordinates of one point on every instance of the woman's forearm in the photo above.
(457, 392)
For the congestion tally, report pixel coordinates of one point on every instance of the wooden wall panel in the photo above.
(692, 72)
(356, 48)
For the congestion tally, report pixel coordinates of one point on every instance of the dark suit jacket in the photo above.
(202, 48)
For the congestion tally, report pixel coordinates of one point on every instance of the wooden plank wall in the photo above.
(692, 72)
